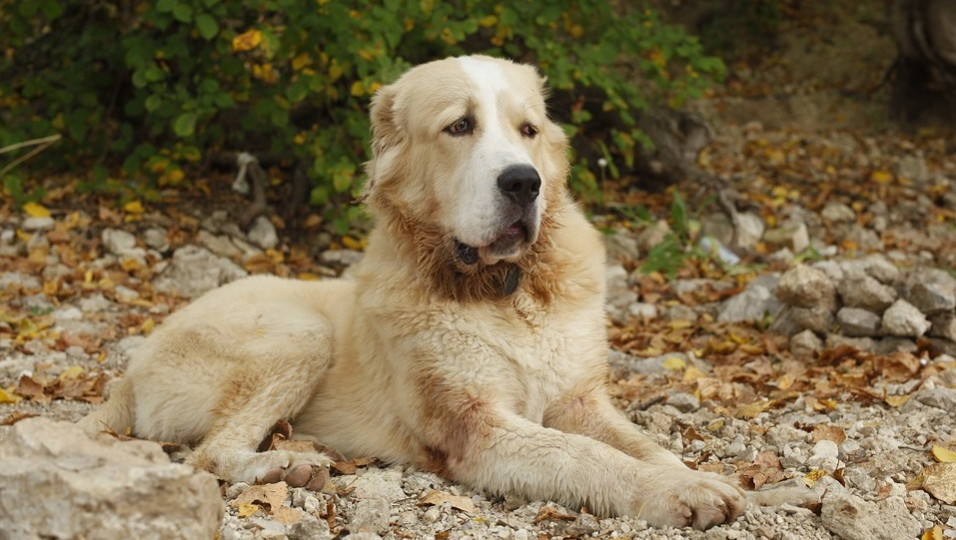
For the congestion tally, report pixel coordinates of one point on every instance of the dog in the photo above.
(471, 341)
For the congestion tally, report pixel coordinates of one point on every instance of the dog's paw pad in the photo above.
(307, 476)
(312, 477)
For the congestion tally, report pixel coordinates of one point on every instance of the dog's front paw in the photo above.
(688, 498)
(298, 469)
(307, 475)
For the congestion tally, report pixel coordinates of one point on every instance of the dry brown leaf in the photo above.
(828, 432)
(939, 480)
(29, 388)
(900, 366)
(550, 513)
(436, 498)
(764, 470)
(897, 401)
(288, 515)
(752, 410)
(270, 496)
(350, 466)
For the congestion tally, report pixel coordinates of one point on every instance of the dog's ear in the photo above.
(385, 132)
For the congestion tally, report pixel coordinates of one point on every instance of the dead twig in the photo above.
(43, 143)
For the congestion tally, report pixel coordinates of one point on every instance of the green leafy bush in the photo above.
(143, 89)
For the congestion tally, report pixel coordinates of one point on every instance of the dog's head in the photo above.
(463, 147)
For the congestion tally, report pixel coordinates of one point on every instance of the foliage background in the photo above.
(142, 91)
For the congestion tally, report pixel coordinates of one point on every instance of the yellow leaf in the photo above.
(33, 209)
(692, 374)
(674, 363)
(351, 243)
(896, 401)
(716, 425)
(679, 324)
(71, 372)
(7, 396)
(813, 477)
(147, 326)
(488, 21)
(247, 40)
(881, 176)
(300, 61)
(248, 509)
(776, 156)
(309, 276)
(944, 455)
(133, 207)
(751, 410)
(358, 89)
(936, 533)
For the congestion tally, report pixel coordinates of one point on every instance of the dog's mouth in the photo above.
(508, 244)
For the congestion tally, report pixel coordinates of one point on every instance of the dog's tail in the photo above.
(116, 414)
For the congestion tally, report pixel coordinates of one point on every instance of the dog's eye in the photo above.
(528, 130)
(462, 126)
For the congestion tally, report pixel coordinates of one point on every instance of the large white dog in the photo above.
(471, 341)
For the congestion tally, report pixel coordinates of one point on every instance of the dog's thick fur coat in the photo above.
(471, 341)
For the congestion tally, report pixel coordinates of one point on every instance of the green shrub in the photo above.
(144, 89)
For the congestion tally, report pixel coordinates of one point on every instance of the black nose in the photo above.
(520, 183)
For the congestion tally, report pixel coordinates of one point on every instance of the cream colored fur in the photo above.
(425, 359)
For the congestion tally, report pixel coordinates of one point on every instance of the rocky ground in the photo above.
(819, 354)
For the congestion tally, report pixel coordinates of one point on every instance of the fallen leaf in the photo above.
(896, 401)
(936, 533)
(765, 469)
(827, 432)
(133, 207)
(881, 176)
(752, 410)
(437, 498)
(674, 363)
(350, 466)
(29, 388)
(269, 496)
(939, 480)
(813, 477)
(900, 366)
(248, 509)
(36, 210)
(7, 396)
(288, 515)
(71, 372)
(943, 454)
(550, 513)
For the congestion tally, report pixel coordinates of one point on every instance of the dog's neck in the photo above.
(444, 275)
